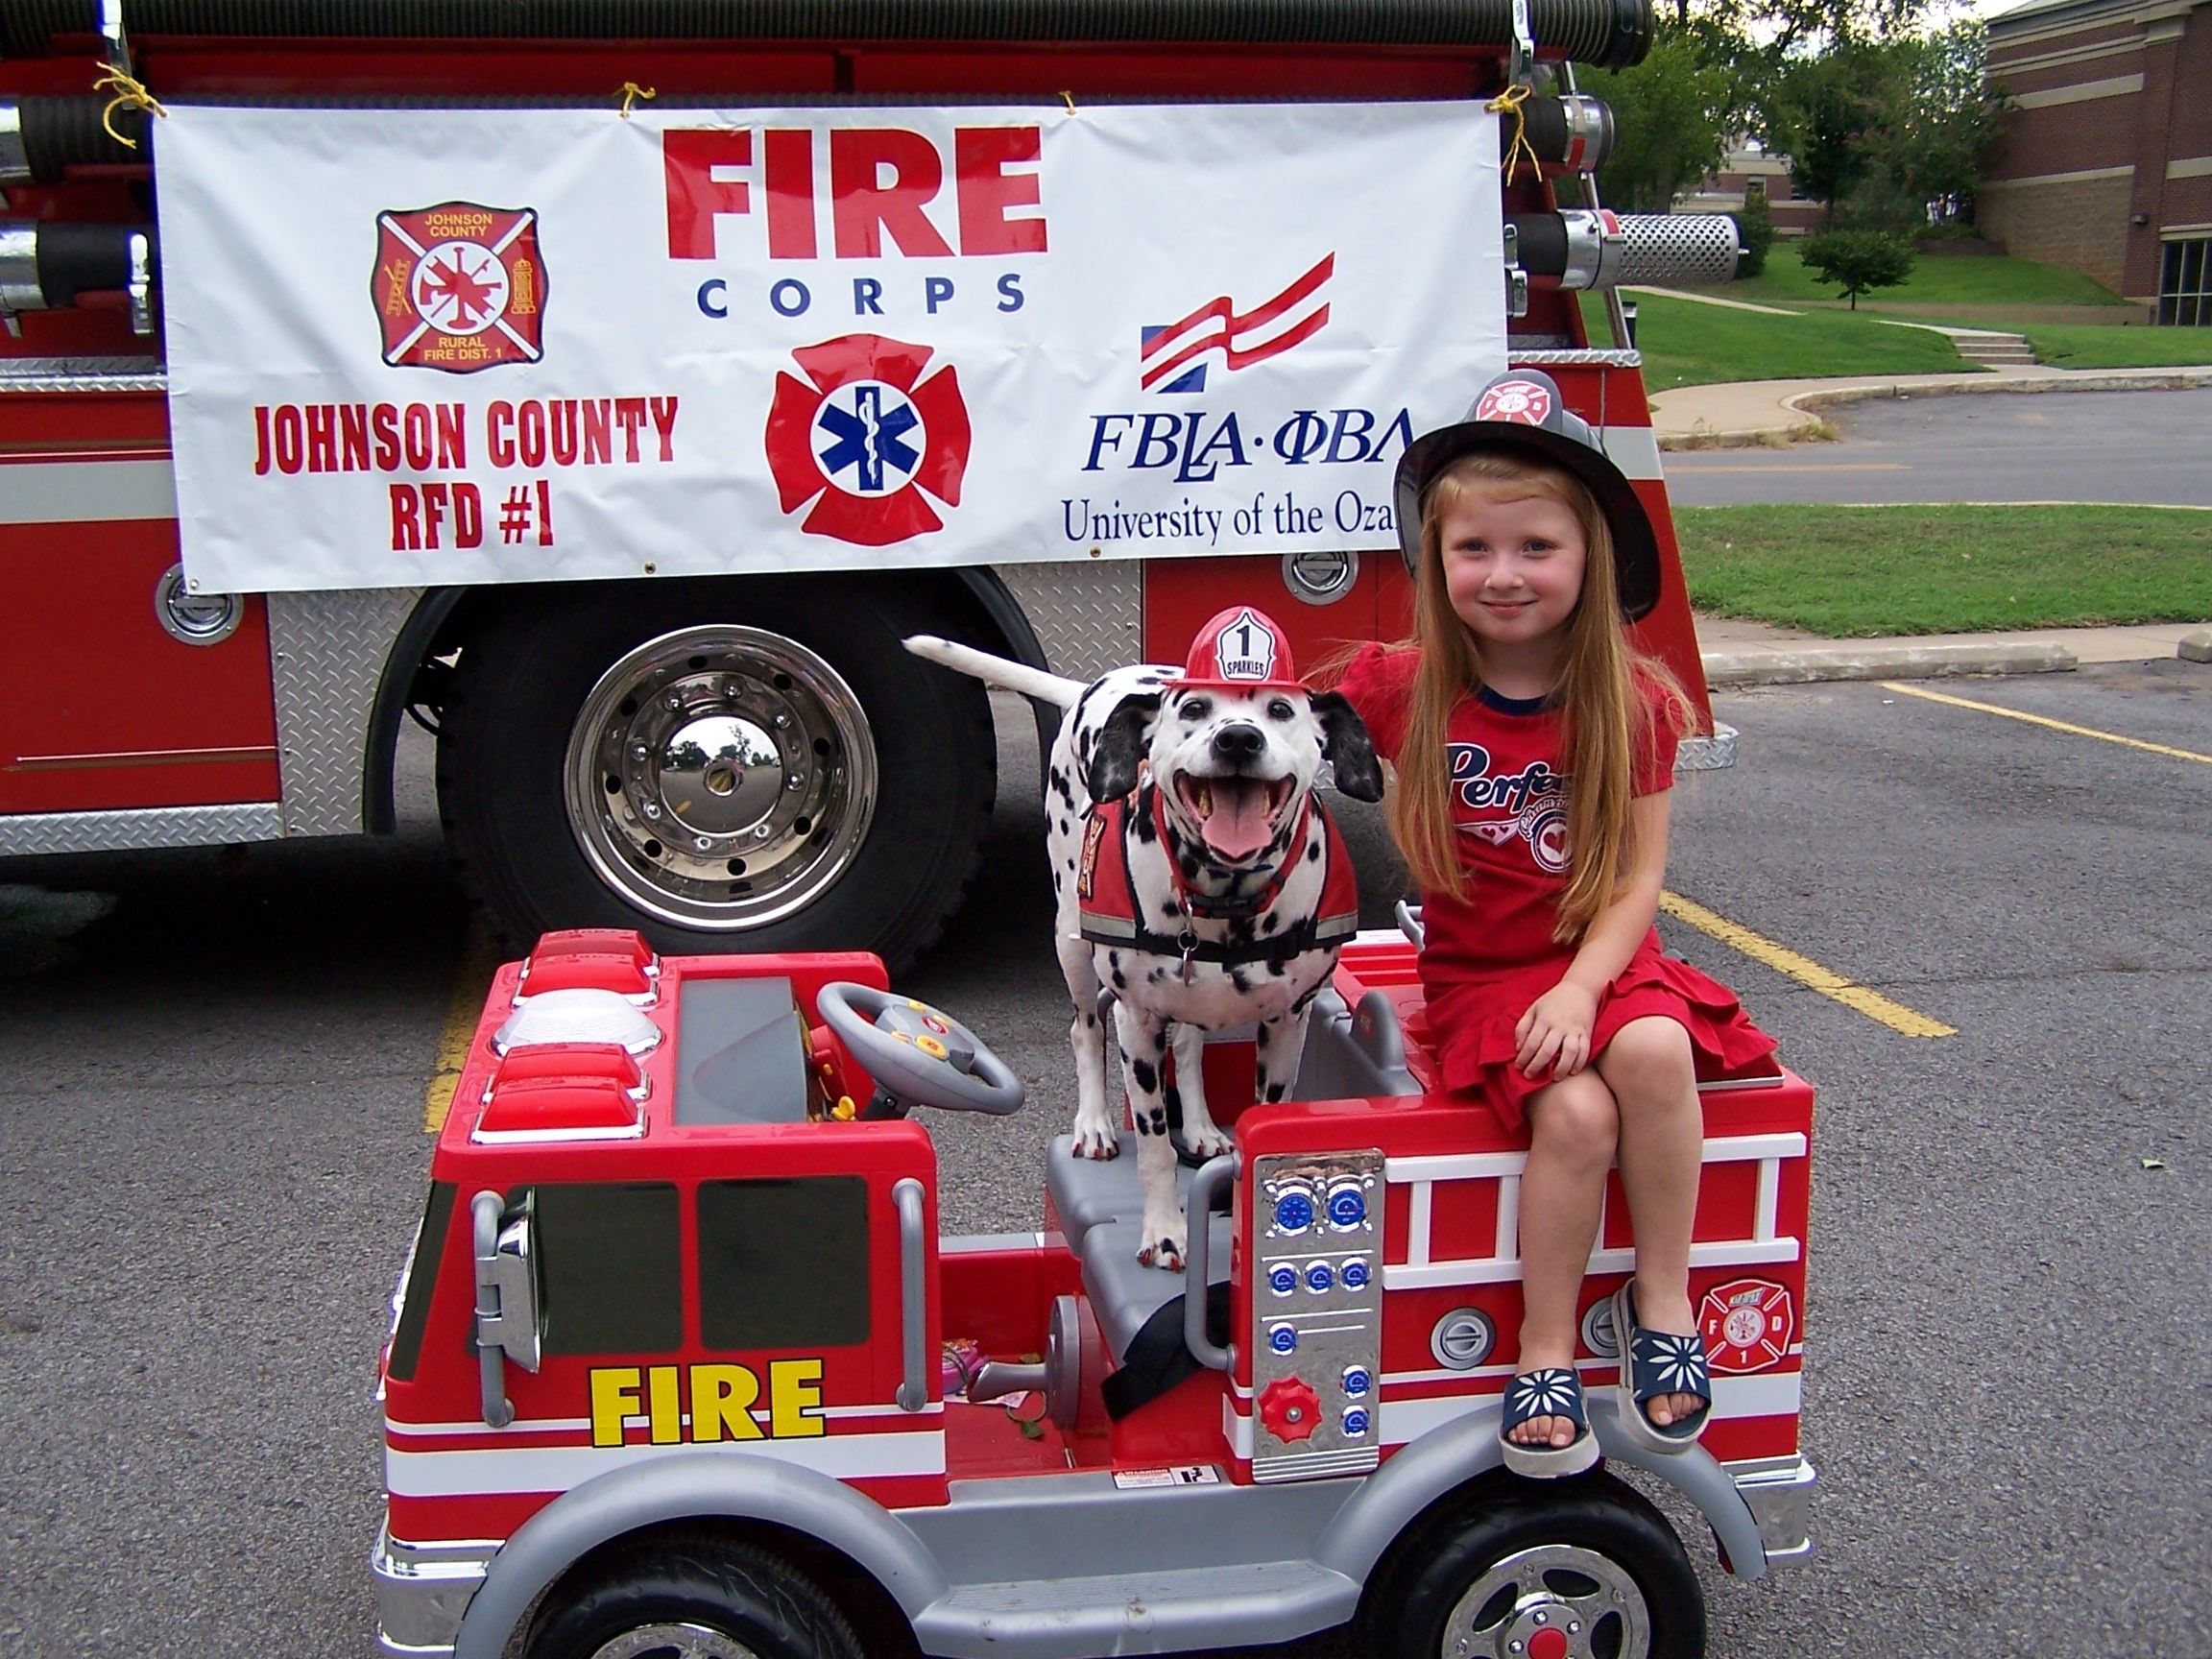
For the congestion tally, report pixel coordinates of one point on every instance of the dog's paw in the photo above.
(1165, 1249)
(1210, 1142)
(1096, 1141)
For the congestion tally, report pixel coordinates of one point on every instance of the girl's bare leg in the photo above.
(1574, 1126)
(1653, 1078)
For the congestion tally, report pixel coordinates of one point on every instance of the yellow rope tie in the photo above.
(1509, 102)
(130, 94)
(632, 93)
(1069, 99)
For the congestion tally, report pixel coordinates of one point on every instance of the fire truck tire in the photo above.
(746, 764)
(1588, 1559)
(705, 1597)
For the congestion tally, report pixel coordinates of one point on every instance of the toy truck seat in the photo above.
(1351, 1053)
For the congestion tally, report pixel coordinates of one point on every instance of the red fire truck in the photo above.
(138, 711)
(680, 1364)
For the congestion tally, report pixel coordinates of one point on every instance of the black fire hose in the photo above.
(1611, 34)
(44, 267)
(1574, 133)
(42, 138)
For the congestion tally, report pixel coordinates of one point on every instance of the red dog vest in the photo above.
(1109, 914)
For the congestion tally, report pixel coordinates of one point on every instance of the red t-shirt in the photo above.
(1508, 802)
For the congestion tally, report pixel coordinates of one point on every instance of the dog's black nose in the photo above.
(1239, 743)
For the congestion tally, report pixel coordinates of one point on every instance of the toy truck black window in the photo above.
(784, 1263)
(423, 1266)
(608, 1261)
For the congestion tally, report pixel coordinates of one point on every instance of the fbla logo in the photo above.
(868, 440)
(1242, 338)
(460, 287)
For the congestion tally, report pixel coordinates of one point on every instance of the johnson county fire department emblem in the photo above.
(460, 287)
(868, 440)
(1748, 1324)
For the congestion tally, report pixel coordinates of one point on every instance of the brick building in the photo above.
(1746, 169)
(2107, 163)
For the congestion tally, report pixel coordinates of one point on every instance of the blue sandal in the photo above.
(1555, 1392)
(1656, 1362)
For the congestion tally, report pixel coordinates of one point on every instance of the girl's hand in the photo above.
(1555, 1032)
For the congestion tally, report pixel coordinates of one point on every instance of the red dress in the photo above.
(1489, 956)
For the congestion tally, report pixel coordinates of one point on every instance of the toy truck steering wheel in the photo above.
(921, 1056)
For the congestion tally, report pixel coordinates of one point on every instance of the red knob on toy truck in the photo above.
(1290, 1409)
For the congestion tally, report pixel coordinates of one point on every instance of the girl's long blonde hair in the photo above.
(1606, 726)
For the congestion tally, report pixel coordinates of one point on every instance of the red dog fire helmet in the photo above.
(1243, 649)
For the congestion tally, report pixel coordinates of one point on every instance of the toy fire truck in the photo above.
(681, 1365)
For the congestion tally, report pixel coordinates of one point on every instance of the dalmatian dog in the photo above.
(1197, 873)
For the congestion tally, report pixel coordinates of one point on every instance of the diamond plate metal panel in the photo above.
(1088, 614)
(327, 652)
(1707, 753)
(25, 833)
(82, 375)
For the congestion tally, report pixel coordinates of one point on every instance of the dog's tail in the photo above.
(997, 670)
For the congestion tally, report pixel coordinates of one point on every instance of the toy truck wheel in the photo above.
(726, 765)
(695, 1598)
(1580, 1569)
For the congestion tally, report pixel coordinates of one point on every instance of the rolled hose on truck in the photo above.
(44, 267)
(42, 138)
(1610, 34)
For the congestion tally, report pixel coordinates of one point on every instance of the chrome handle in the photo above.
(1198, 1216)
(913, 1295)
(484, 1211)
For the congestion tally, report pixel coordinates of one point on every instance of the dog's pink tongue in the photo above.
(1238, 827)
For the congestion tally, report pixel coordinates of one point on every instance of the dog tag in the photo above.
(1190, 942)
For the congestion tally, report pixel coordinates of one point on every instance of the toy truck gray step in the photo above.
(1162, 1612)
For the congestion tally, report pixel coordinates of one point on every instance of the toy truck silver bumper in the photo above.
(421, 1591)
(1779, 1494)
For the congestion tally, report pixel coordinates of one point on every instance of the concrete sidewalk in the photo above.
(1743, 412)
(1739, 654)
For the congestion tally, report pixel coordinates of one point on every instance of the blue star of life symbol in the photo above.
(868, 438)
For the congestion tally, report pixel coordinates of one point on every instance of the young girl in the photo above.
(1535, 749)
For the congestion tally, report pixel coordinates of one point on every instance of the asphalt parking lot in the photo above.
(212, 1153)
(2112, 446)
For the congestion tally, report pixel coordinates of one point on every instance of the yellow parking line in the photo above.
(479, 959)
(1804, 970)
(2041, 720)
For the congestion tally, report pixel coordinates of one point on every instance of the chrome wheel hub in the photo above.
(1555, 1601)
(720, 777)
(673, 1642)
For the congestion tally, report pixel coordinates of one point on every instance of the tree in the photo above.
(1942, 121)
(1823, 112)
(1754, 233)
(1857, 261)
(1672, 114)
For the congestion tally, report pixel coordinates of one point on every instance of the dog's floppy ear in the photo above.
(1121, 747)
(1346, 746)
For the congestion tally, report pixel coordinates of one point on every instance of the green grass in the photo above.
(2093, 346)
(1854, 571)
(1687, 343)
(1959, 279)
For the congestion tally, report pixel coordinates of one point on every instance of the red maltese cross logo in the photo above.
(1522, 400)
(870, 437)
(460, 287)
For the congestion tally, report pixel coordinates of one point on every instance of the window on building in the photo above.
(609, 1262)
(2185, 283)
(784, 1263)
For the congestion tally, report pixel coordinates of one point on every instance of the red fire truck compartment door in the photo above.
(100, 708)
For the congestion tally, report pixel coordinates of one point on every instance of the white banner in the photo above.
(417, 346)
